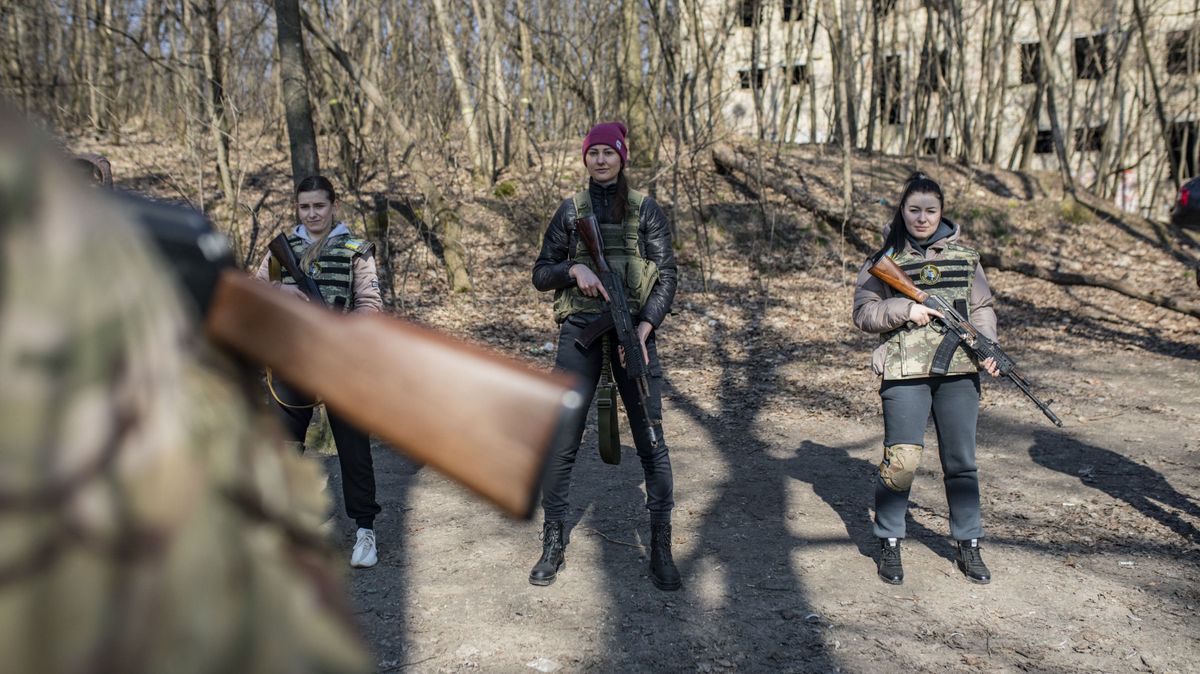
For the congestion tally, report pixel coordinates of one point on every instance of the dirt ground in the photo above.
(772, 416)
(1092, 530)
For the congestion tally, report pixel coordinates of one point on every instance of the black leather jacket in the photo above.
(551, 271)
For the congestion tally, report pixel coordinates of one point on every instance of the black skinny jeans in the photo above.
(656, 462)
(353, 448)
(954, 402)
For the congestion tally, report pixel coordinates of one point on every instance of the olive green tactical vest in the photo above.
(621, 252)
(910, 350)
(333, 271)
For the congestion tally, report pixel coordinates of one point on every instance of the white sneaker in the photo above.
(364, 555)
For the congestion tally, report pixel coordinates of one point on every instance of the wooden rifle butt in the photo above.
(484, 420)
(892, 275)
(589, 232)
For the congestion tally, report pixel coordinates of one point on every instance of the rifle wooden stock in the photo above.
(589, 233)
(282, 252)
(486, 421)
(890, 273)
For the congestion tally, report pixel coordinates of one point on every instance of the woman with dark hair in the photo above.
(926, 246)
(637, 244)
(344, 270)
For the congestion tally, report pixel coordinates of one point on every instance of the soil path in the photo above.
(1093, 540)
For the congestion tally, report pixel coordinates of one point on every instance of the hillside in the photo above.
(773, 419)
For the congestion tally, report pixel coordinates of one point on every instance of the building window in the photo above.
(883, 7)
(744, 78)
(751, 12)
(1091, 56)
(1089, 139)
(1182, 48)
(793, 10)
(889, 93)
(798, 72)
(935, 69)
(933, 144)
(1031, 62)
(1044, 143)
(1183, 149)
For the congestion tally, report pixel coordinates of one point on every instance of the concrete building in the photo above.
(961, 79)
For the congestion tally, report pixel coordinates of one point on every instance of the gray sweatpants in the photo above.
(954, 402)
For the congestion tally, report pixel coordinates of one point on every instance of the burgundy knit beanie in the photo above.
(611, 134)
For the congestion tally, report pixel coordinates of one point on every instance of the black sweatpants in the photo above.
(353, 448)
(954, 402)
(656, 462)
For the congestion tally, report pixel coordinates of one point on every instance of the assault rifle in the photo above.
(620, 320)
(282, 251)
(484, 420)
(959, 331)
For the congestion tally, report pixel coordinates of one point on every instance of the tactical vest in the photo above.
(910, 350)
(623, 256)
(333, 271)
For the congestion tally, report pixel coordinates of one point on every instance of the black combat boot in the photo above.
(890, 569)
(662, 566)
(970, 562)
(553, 560)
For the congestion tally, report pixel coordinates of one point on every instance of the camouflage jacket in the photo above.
(880, 310)
(152, 521)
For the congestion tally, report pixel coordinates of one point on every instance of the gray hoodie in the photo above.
(879, 309)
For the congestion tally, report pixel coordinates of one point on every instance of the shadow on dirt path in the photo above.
(1143, 488)
(380, 608)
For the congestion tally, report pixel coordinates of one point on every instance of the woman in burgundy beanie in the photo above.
(637, 244)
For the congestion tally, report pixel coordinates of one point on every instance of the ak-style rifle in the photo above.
(282, 251)
(959, 332)
(620, 320)
(485, 420)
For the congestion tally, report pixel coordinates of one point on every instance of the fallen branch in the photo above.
(1004, 263)
(730, 159)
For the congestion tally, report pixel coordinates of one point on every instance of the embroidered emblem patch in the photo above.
(929, 275)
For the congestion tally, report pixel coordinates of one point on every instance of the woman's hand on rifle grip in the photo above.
(589, 284)
(919, 314)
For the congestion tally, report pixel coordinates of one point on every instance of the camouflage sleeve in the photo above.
(875, 310)
(367, 297)
(983, 314)
(150, 517)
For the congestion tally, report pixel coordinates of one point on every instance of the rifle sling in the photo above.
(606, 410)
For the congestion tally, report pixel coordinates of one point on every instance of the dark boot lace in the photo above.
(552, 542)
(972, 558)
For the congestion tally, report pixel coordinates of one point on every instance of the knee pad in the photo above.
(899, 466)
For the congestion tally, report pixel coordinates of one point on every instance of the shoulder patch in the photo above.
(360, 246)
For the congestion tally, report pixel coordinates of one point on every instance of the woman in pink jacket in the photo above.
(926, 247)
(344, 270)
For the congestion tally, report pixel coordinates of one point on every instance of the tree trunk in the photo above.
(443, 218)
(466, 107)
(294, 83)
(210, 54)
(1046, 34)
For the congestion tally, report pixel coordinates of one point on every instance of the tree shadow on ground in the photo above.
(1143, 488)
(847, 485)
(382, 591)
(1112, 332)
